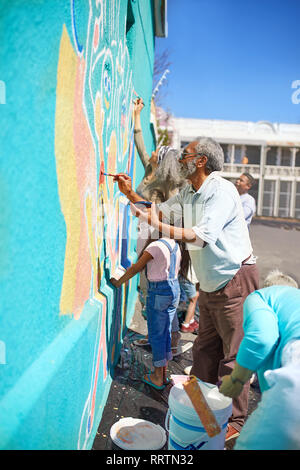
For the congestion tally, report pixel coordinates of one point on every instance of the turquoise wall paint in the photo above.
(69, 72)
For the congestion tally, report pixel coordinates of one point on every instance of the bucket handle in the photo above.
(167, 420)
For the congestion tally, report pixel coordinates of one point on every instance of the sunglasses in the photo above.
(184, 155)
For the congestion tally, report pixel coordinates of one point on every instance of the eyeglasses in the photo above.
(183, 155)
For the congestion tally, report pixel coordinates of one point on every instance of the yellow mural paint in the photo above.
(66, 166)
(99, 117)
(106, 103)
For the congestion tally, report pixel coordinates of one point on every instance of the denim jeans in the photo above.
(162, 301)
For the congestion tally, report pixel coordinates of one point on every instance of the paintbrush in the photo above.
(102, 174)
(145, 203)
(201, 406)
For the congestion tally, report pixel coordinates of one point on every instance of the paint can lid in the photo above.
(137, 434)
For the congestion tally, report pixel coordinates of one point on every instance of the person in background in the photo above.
(243, 184)
(271, 347)
(161, 258)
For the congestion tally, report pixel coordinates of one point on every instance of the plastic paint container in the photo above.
(186, 431)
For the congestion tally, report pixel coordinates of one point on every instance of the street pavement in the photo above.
(276, 245)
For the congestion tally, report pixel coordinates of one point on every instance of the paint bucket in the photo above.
(186, 431)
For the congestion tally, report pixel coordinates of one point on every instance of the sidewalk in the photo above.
(129, 397)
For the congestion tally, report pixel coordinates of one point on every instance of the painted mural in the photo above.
(94, 133)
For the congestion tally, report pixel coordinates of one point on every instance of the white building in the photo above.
(272, 151)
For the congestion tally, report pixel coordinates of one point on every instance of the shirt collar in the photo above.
(192, 190)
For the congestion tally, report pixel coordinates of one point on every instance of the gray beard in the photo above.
(188, 170)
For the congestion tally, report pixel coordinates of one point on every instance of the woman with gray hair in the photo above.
(271, 347)
(277, 278)
(162, 177)
(161, 181)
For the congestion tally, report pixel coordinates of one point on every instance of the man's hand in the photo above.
(115, 282)
(124, 183)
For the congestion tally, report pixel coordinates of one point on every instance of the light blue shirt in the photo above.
(249, 207)
(271, 320)
(215, 214)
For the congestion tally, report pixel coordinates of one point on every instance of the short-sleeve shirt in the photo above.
(158, 268)
(215, 214)
(249, 207)
(271, 320)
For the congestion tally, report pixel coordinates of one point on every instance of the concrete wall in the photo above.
(69, 70)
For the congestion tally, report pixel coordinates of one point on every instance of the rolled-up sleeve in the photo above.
(261, 332)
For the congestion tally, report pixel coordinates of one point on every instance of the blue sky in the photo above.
(232, 59)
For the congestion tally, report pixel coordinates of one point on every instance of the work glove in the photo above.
(232, 384)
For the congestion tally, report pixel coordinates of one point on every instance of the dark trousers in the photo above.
(220, 334)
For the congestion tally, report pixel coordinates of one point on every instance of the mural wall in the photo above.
(71, 71)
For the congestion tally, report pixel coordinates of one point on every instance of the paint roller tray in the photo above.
(137, 434)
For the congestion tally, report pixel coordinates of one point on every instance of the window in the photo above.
(226, 153)
(253, 154)
(286, 156)
(284, 198)
(268, 198)
(238, 154)
(272, 156)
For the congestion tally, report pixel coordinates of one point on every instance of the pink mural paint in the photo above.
(86, 182)
(96, 34)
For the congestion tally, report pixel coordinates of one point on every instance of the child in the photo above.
(161, 259)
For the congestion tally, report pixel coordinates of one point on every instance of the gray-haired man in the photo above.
(208, 215)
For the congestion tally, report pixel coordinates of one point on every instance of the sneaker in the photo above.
(195, 325)
(187, 329)
(231, 433)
